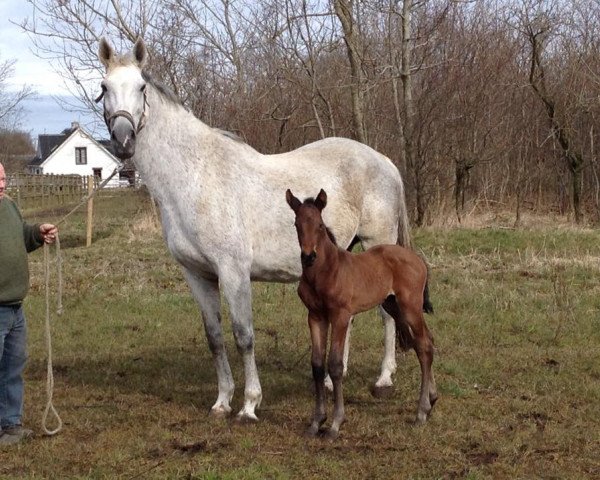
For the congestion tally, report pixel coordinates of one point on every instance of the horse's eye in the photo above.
(321, 226)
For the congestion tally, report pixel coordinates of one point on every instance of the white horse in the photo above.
(223, 208)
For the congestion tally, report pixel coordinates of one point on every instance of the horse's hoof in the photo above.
(331, 435)
(219, 412)
(382, 392)
(245, 418)
(420, 420)
(311, 432)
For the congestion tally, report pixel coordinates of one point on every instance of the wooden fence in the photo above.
(42, 191)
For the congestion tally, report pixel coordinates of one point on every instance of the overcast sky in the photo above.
(44, 113)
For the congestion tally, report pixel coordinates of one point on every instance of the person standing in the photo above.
(17, 238)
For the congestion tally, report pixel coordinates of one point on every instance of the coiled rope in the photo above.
(59, 310)
(49, 371)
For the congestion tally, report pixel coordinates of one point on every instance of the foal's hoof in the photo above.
(311, 432)
(331, 435)
(382, 392)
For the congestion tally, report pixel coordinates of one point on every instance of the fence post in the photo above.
(90, 211)
(19, 186)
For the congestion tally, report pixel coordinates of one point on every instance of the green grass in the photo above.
(517, 334)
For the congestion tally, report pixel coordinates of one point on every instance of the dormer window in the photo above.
(80, 155)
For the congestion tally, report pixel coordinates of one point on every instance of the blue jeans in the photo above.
(13, 354)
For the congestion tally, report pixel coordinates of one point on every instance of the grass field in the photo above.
(517, 333)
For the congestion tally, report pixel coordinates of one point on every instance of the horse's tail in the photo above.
(403, 221)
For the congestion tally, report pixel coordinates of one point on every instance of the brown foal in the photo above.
(337, 284)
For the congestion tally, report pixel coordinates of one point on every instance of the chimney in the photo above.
(74, 125)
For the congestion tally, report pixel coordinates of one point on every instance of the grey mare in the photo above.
(212, 189)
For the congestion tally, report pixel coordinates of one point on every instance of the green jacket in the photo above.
(17, 238)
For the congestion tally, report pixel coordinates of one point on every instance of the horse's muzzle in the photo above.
(308, 259)
(123, 138)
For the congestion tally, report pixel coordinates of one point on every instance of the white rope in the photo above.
(59, 310)
(50, 374)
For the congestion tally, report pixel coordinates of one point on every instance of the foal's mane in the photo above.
(311, 201)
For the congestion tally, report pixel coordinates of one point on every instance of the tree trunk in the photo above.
(573, 158)
(353, 40)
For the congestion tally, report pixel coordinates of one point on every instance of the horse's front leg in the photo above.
(318, 335)
(236, 286)
(335, 364)
(206, 293)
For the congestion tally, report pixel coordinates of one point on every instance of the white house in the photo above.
(76, 152)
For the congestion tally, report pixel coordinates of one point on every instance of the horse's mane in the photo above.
(164, 91)
(311, 201)
(168, 94)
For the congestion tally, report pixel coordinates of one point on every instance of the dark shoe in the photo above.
(14, 434)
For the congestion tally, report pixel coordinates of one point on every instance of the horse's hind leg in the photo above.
(206, 293)
(318, 334)
(328, 382)
(384, 384)
(238, 292)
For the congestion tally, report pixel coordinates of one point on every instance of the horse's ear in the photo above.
(292, 201)
(139, 52)
(321, 200)
(105, 53)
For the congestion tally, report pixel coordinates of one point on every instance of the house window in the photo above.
(80, 155)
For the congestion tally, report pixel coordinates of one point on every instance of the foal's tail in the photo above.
(427, 305)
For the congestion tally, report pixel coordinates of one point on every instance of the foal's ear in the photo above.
(105, 53)
(139, 52)
(321, 200)
(292, 201)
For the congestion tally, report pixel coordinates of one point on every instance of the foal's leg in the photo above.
(328, 382)
(339, 327)
(238, 292)
(206, 293)
(318, 335)
(423, 346)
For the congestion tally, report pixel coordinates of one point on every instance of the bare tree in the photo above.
(537, 23)
(345, 11)
(11, 101)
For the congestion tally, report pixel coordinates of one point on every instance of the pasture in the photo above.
(517, 335)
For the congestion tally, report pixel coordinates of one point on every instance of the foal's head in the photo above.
(309, 225)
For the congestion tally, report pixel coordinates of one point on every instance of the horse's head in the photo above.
(309, 224)
(124, 94)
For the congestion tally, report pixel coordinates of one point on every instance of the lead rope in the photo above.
(59, 311)
(50, 374)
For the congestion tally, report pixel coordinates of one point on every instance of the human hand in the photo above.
(48, 232)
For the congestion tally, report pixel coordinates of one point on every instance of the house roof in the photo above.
(49, 143)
